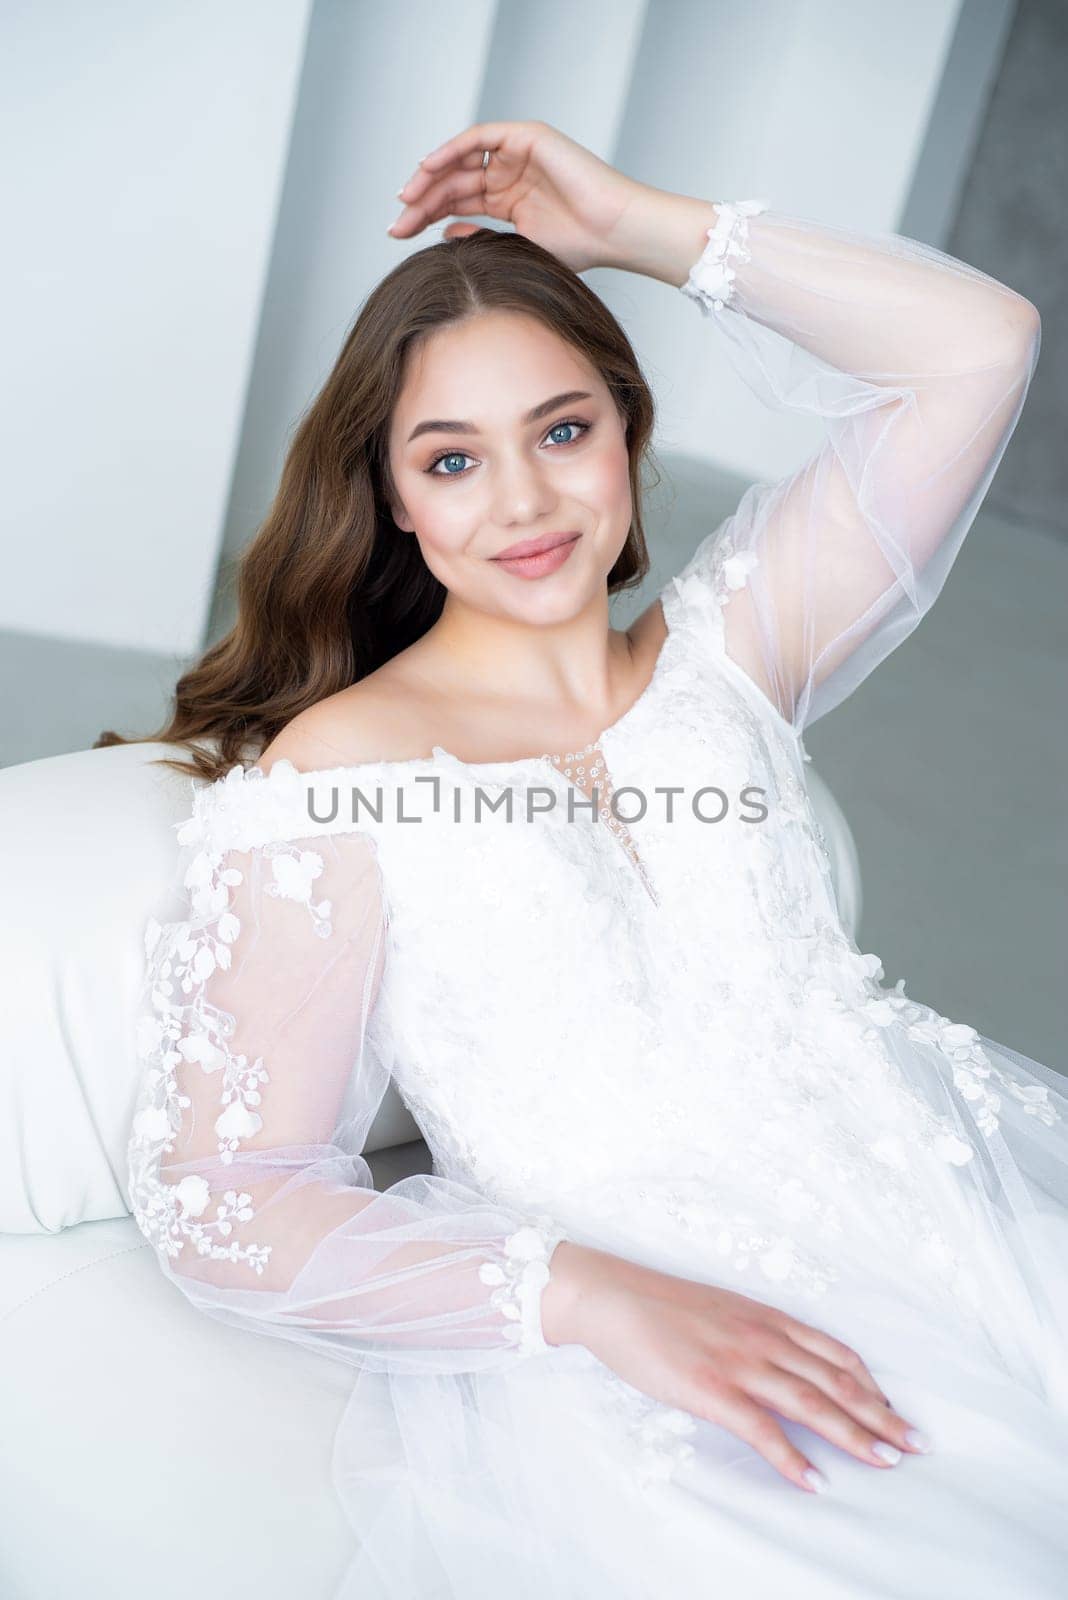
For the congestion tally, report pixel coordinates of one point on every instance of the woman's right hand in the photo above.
(720, 1356)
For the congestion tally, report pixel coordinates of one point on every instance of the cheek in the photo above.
(602, 480)
(443, 523)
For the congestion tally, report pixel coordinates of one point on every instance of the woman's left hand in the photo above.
(554, 191)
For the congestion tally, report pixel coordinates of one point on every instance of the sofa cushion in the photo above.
(150, 1450)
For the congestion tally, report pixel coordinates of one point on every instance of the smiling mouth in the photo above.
(534, 547)
(540, 563)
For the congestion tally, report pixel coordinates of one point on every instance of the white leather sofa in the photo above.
(138, 1460)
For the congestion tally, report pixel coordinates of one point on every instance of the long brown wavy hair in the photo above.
(327, 590)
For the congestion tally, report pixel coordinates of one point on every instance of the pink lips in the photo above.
(534, 558)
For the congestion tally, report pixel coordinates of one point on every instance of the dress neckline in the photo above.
(439, 756)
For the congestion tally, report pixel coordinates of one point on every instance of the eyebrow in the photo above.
(448, 425)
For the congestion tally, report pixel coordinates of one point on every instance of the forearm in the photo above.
(426, 1267)
(577, 1275)
(881, 305)
(660, 234)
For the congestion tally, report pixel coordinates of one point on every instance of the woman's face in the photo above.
(489, 473)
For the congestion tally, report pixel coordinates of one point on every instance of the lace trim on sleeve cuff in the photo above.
(711, 279)
(522, 1276)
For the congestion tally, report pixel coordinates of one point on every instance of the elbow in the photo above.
(1005, 332)
(1013, 339)
(1024, 326)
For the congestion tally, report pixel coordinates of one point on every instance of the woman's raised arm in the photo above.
(918, 366)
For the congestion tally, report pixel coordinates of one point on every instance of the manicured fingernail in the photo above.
(886, 1452)
(918, 1440)
(815, 1479)
(400, 192)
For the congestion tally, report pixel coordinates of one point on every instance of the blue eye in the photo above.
(557, 426)
(461, 455)
(453, 455)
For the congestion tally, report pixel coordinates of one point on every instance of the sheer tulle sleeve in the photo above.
(264, 1063)
(918, 366)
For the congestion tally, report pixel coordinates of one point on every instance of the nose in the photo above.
(523, 491)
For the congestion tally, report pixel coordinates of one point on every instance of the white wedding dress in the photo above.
(648, 1033)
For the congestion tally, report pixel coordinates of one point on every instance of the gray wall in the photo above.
(1013, 222)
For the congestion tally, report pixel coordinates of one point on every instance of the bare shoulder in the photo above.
(381, 718)
(399, 713)
(648, 630)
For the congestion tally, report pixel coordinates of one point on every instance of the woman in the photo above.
(714, 1215)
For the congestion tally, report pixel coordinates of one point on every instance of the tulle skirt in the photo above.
(554, 1477)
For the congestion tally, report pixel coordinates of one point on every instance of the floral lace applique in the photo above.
(192, 1031)
(711, 279)
(973, 1070)
(657, 1436)
(522, 1276)
(741, 1239)
(715, 572)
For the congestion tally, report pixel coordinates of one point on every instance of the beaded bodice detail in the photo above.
(587, 770)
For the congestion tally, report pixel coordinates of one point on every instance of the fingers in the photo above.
(451, 177)
(732, 1409)
(422, 178)
(831, 1350)
(849, 1416)
(845, 1369)
(456, 194)
(854, 1396)
(478, 137)
(853, 1387)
